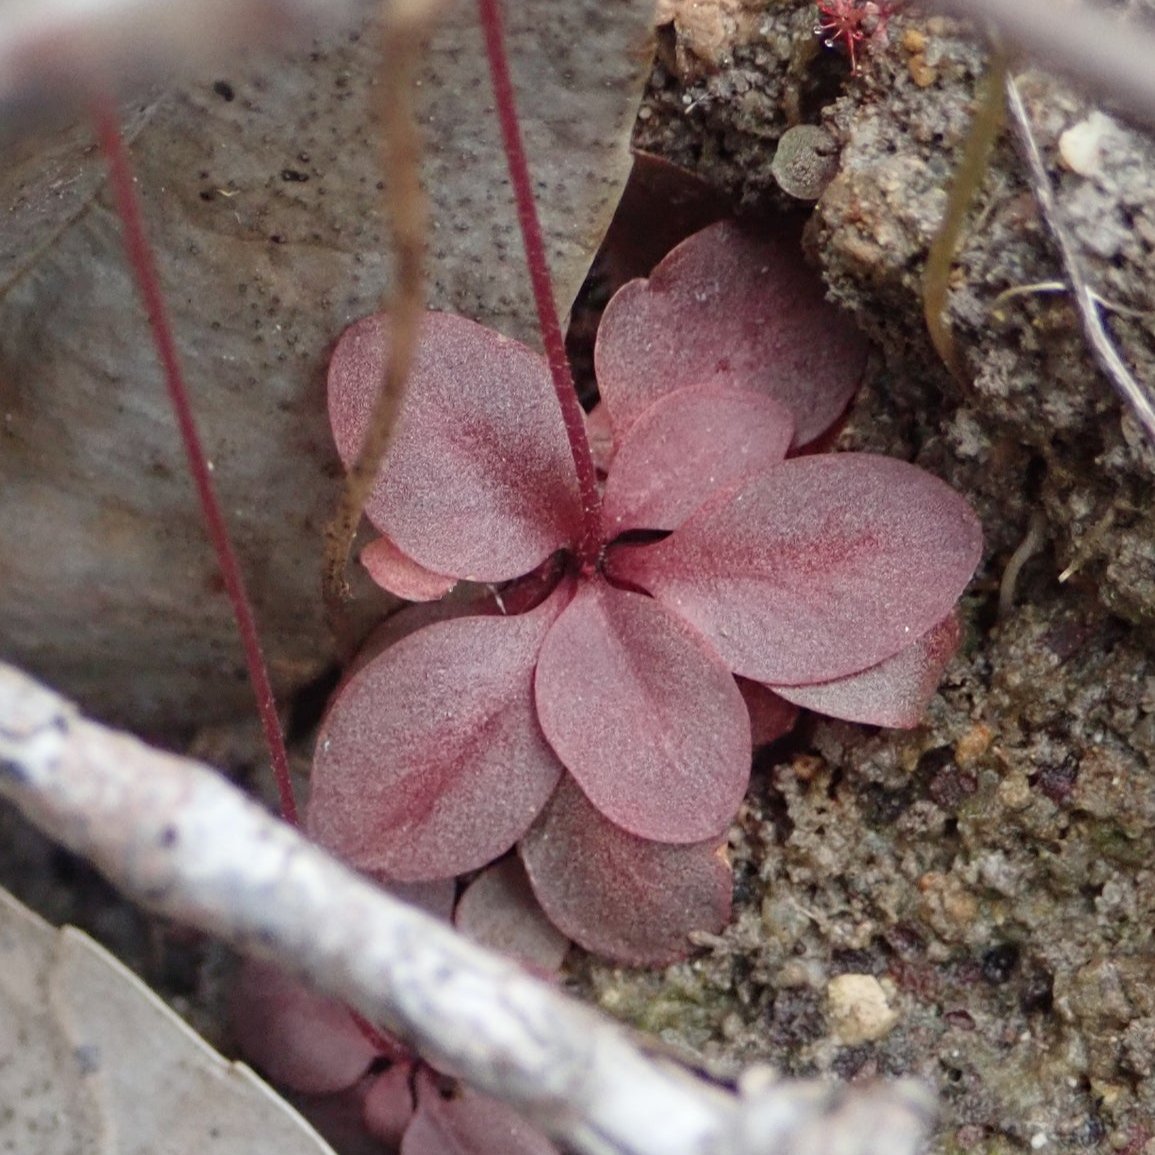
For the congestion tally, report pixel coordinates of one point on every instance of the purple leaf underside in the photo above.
(295, 1037)
(398, 573)
(464, 601)
(478, 482)
(685, 448)
(816, 569)
(643, 715)
(499, 910)
(430, 761)
(436, 898)
(387, 1108)
(893, 693)
(468, 1123)
(619, 896)
(727, 306)
(771, 716)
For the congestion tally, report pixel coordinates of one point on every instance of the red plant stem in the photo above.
(538, 265)
(141, 259)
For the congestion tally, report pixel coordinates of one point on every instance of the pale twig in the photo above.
(181, 840)
(1086, 301)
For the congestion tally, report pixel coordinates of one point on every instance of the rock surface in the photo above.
(262, 192)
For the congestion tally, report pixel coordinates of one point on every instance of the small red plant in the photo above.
(850, 22)
(359, 1081)
(594, 700)
(588, 710)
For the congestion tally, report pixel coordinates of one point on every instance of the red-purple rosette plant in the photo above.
(358, 1084)
(593, 707)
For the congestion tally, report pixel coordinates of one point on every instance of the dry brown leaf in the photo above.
(92, 1061)
(261, 191)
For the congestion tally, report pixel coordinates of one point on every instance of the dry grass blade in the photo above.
(968, 179)
(405, 25)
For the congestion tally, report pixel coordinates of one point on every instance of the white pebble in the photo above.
(858, 1010)
(1081, 146)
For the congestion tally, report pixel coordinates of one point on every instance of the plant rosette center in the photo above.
(598, 711)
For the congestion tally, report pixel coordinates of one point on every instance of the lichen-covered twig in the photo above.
(1103, 347)
(177, 837)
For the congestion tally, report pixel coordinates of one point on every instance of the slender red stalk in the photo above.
(148, 282)
(538, 265)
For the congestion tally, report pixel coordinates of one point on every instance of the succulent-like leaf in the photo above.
(464, 601)
(430, 761)
(398, 573)
(466, 1123)
(818, 568)
(387, 1108)
(295, 1036)
(644, 716)
(623, 897)
(771, 716)
(893, 693)
(499, 910)
(688, 446)
(478, 482)
(436, 897)
(728, 306)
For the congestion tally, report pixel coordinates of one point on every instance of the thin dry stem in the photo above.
(180, 839)
(1033, 541)
(1106, 355)
(406, 24)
